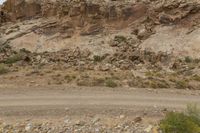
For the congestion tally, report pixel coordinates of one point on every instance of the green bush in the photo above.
(196, 78)
(188, 59)
(188, 122)
(120, 39)
(194, 111)
(3, 69)
(182, 84)
(14, 58)
(70, 78)
(110, 83)
(97, 58)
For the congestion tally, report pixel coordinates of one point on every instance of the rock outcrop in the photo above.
(53, 25)
(167, 11)
(20, 9)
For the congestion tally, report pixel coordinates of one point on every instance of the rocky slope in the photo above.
(149, 43)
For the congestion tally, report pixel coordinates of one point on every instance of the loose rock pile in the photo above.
(77, 126)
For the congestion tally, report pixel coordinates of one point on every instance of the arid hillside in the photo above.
(149, 43)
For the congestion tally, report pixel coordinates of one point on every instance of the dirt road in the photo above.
(61, 101)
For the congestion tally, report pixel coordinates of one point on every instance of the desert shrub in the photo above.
(120, 39)
(110, 83)
(194, 111)
(14, 58)
(196, 78)
(158, 84)
(3, 69)
(196, 60)
(82, 83)
(181, 84)
(3, 47)
(70, 78)
(91, 82)
(97, 82)
(188, 59)
(188, 122)
(154, 82)
(97, 58)
(151, 74)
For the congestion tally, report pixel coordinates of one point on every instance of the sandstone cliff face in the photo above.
(100, 9)
(24, 9)
(56, 24)
(166, 11)
(19, 9)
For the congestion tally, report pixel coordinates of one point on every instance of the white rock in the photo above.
(148, 129)
(122, 116)
(28, 127)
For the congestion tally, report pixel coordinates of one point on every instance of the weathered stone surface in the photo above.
(17, 9)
